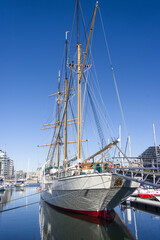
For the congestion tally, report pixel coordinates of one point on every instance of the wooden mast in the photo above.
(79, 104)
(79, 89)
(58, 101)
(80, 73)
(66, 99)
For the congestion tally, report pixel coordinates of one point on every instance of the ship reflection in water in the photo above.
(57, 225)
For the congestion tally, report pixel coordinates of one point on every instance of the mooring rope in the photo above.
(9, 209)
(22, 197)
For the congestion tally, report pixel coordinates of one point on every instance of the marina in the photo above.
(82, 177)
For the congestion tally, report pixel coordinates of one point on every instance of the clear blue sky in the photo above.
(31, 50)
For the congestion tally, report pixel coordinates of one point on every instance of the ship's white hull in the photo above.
(88, 194)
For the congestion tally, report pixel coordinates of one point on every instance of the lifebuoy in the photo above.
(110, 167)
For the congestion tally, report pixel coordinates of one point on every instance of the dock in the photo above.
(148, 205)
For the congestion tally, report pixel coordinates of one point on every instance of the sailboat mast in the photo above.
(66, 96)
(80, 73)
(79, 89)
(155, 144)
(79, 103)
(58, 101)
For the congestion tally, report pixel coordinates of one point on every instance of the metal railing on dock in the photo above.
(146, 174)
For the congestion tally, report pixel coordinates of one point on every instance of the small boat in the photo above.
(2, 188)
(148, 193)
(20, 183)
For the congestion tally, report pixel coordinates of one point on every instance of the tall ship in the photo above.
(76, 176)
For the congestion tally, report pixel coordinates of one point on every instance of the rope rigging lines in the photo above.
(100, 132)
(111, 65)
(91, 87)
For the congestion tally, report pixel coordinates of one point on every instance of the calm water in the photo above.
(40, 221)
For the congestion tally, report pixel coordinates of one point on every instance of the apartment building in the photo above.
(6, 166)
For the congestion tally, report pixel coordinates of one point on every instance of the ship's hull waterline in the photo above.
(91, 194)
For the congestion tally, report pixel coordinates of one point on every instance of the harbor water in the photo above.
(25, 216)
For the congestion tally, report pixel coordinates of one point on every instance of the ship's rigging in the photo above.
(65, 100)
(78, 183)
